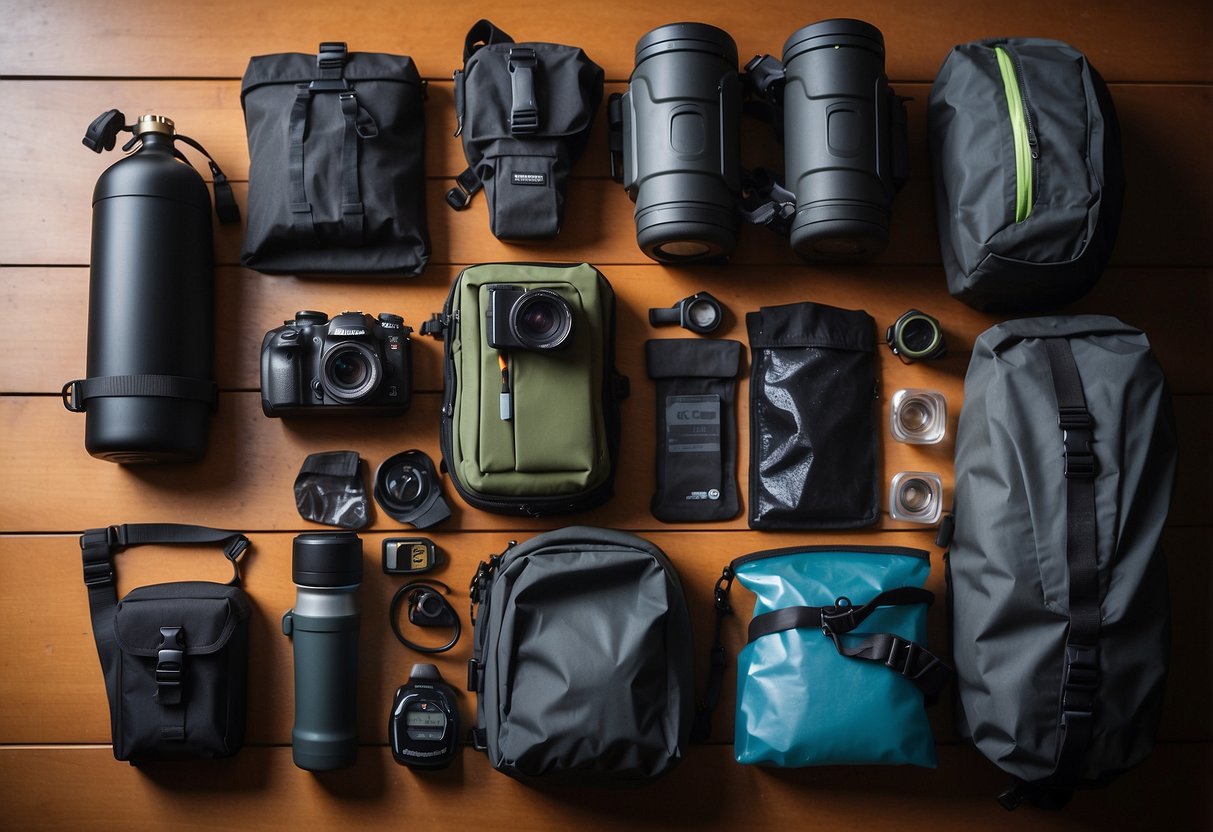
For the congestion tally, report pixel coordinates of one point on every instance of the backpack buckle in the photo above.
(1077, 434)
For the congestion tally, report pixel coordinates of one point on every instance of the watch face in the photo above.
(424, 721)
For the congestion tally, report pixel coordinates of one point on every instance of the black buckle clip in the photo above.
(723, 584)
(170, 666)
(1080, 680)
(839, 618)
(331, 55)
(524, 112)
(99, 570)
(473, 675)
(435, 327)
(615, 135)
(1077, 435)
(763, 74)
(901, 657)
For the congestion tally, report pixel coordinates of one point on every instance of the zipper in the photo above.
(1027, 151)
(906, 551)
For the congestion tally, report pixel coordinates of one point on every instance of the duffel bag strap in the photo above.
(98, 547)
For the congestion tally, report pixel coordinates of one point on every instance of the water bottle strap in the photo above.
(76, 393)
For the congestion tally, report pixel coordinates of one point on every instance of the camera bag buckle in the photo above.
(524, 111)
(170, 666)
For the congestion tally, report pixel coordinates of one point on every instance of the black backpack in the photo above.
(336, 163)
(1026, 162)
(524, 111)
(581, 659)
(1065, 461)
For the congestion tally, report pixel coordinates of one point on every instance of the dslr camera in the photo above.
(526, 319)
(351, 364)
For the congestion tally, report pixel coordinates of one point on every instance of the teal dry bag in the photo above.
(834, 670)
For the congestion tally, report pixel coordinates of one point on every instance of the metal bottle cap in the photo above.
(150, 123)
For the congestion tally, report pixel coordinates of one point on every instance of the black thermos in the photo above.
(150, 387)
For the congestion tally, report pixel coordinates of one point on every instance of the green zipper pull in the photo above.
(1022, 134)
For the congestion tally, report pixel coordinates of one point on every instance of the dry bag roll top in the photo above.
(336, 163)
(530, 413)
(582, 659)
(1065, 457)
(1026, 163)
(524, 113)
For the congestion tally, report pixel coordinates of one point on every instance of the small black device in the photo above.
(527, 319)
(409, 555)
(423, 727)
(351, 364)
(428, 607)
(406, 487)
(701, 313)
(916, 336)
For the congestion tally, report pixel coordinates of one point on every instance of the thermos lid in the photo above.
(838, 31)
(694, 37)
(149, 123)
(327, 559)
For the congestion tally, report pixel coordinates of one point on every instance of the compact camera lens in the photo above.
(703, 314)
(351, 372)
(406, 487)
(918, 334)
(541, 320)
(404, 484)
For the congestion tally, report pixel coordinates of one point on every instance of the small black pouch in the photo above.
(330, 490)
(813, 437)
(524, 111)
(696, 428)
(174, 655)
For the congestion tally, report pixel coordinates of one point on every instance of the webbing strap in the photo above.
(301, 209)
(76, 393)
(1080, 677)
(482, 33)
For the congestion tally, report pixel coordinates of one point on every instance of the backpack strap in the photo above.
(359, 124)
(98, 547)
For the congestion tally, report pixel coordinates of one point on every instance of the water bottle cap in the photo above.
(327, 559)
(150, 123)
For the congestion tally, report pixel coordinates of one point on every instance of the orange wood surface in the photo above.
(64, 61)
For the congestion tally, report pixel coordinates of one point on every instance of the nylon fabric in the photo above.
(799, 702)
(1008, 565)
(1057, 253)
(584, 637)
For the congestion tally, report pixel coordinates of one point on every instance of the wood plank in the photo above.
(50, 181)
(149, 39)
(246, 479)
(249, 304)
(58, 695)
(260, 788)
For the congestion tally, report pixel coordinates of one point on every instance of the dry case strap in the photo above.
(701, 728)
(842, 617)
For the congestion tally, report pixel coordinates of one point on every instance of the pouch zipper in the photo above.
(1027, 152)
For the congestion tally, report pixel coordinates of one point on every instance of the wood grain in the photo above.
(50, 182)
(260, 788)
(145, 38)
(249, 304)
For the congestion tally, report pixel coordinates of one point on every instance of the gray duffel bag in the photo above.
(1065, 461)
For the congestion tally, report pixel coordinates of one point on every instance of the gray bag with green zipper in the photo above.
(530, 412)
(1065, 462)
(1026, 162)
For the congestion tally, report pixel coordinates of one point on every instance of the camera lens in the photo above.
(351, 372)
(704, 314)
(404, 484)
(541, 320)
(916, 497)
(406, 487)
(681, 250)
(918, 335)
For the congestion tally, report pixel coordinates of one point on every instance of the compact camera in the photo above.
(351, 364)
(526, 319)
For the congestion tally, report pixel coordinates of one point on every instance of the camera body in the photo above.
(526, 319)
(351, 364)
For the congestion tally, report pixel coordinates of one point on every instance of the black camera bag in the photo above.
(175, 655)
(524, 111)
(582, 663)
(336, 163)
(1026, 162)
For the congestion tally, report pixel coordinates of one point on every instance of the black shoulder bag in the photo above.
(175, 655)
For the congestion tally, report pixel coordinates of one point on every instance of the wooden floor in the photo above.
(63, 62)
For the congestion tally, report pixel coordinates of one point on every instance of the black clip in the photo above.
(839, 618)
(615, 134)
(902, 655)
(764, 75)
(723, 584)
(524, 112)
(1081, 679)
(170, 666)
(1077, 435)
(103, 132)
(330, 56)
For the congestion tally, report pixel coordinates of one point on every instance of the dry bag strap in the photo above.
(840, 618)
(1080, 677)
(98, 547)
(77, 393)
(701, 729)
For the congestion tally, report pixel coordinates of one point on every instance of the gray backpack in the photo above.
(1065, 460)
(582, 659)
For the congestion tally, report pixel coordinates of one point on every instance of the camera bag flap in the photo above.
(174, 655)
(813, 418)
(336, 163)
(582, 663)
(696, 428)
(1026, 162)
(524, 111)
(527, 431)
(1065, 465)
(834, 670)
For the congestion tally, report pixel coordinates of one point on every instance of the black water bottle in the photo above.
(150, 388)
